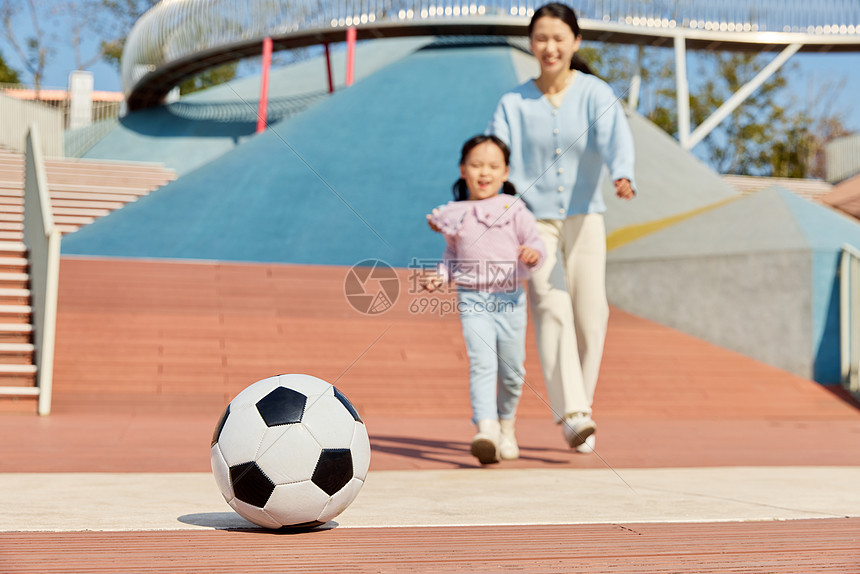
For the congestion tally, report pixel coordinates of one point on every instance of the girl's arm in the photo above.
(532, 249)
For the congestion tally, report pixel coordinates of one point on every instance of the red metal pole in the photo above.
(328, 69)
(350, 55)
(262, 112)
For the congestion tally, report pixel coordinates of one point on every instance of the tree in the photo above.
(119, 18)
(33, 51)
(7, 74)
(816, 122)
(768, 134)
(209, 78)
(80, 17)
(77, 17)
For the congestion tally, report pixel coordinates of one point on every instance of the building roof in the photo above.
(812, 189)
(59, 95)
(845, 196)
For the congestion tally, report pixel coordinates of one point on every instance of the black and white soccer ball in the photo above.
(290, 450)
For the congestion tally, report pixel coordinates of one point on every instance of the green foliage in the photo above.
(768, 134)
(209, 78)
(7, 74)
(121, 16)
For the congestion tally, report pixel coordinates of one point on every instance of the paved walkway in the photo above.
(63, 502)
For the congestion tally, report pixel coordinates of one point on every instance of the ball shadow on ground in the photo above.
(232, 522)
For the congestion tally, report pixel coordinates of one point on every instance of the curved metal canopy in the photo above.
(177, 39)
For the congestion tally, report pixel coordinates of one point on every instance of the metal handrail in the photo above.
(178, 34)
(849, 318)
(42, 239)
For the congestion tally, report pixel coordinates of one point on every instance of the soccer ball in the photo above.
(290, 450)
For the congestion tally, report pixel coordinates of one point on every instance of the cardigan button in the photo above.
(558, 151)
(555, 131)
(560, 188)
(561, 211)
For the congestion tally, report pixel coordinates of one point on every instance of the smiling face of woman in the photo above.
(553, 43)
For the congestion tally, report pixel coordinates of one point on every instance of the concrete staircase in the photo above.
(81, 191)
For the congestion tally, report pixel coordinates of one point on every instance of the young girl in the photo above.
(493, 244)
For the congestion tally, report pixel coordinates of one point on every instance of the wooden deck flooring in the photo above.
(793, 547)
(149, 353)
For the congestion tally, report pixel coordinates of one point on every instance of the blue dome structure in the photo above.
(347, 179)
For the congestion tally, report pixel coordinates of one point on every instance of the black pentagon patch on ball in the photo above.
(334, 470)
(220, 426)
(342, 398)
(282, 406)
(250, 484)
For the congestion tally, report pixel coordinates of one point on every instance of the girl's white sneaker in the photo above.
(485, 444)
(508, 448)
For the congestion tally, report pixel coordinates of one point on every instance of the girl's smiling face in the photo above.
(553, 44)
(484, 171)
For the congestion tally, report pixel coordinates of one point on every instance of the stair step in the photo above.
(11, 261)
(19, 391)
(96, 188)
(12, 276)
(16, 347)
(72, 219)
(11, 236)
(14, 292)
(17, 370)
(14, 264)
(15, 310)
(13, 247)
(9, 333)
(85, 204)
(16, 328)
(80, 211)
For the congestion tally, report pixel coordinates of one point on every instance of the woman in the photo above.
(562, 128)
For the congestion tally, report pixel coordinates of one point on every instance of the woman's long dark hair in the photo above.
(460, 190)
(568, 16)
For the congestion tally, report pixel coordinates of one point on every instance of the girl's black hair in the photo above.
(568, 16)
(460, 190)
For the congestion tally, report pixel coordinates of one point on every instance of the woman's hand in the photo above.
(623, 189)
(529, 256)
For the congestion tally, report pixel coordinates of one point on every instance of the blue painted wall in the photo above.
(826, 231)
(349, 179)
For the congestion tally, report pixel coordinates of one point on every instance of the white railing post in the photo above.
(849, 318)
(42, 239)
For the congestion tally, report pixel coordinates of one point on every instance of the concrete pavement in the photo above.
(63, 502)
